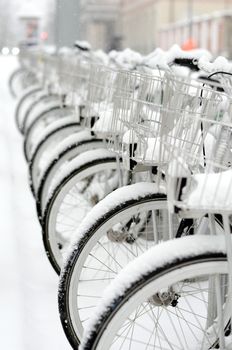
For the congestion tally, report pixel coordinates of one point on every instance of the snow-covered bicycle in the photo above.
(59, 201)
(177, 295)
(134, 218)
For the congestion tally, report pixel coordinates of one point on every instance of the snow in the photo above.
(41, 108)
(27, 90)
(163, 59)
(68, 141)
(82, 44)
(101, 56)
(219, 64)
(77, 162)
(178, 168)
(26, 104)
(81, 136)
(62, 121)
(28, 295)
(129, 56)
(211, 192)
(107, 122)
(154, 258)
(115, 198)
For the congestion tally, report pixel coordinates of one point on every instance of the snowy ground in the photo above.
(28, 290)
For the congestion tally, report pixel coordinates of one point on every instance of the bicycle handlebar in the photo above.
(191, 63)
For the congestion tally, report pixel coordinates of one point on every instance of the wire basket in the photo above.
(99, 101)
(210, 189)
(50, 72)
(195, 147)
(165, 110)
(105, 87)
(74, 75)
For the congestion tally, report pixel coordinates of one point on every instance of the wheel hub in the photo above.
(116, 236)
(165, 298)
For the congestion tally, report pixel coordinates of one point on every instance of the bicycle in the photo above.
(100, 234)
(182, 285)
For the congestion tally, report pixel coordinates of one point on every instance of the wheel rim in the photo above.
(139, 324)
(42, 155)
(28, 99)
(97, 263)
(79, 308)
(56, 169)
(34, 133)
(71, 206)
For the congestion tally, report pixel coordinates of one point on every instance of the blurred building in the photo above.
(99, 23)
(144, 25)
(144, 22)
(67, 22)
(29, 17)
(26, 20)
(212, 32)
(139, 23)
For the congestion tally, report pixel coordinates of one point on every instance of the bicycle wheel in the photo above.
(33, 105)
(94, 174)
(24, 102)
(58, 161)
(20, 80)
(46, 145)
(118, 229)
(125, 226)
(46, 104)
(42, 125)
(166, 299)
(36, 136)
(16, 74)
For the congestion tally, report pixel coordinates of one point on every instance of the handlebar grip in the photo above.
(82, 45)
(81, 48)
(191, 63)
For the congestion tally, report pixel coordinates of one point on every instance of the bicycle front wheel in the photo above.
(92, 175)
(129, 226)
(165, 301)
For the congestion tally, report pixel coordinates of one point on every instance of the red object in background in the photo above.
(44, 36)
(189, 44)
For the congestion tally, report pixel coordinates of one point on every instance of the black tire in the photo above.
(53, 163)
(13, 76)
(55, 193)
(46, 110)
(91, 342)
(19, 105)
(64, 286)
(33, 105)
(39, 117)
(27, 78)
(31, 163)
